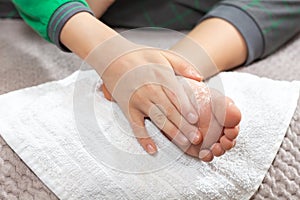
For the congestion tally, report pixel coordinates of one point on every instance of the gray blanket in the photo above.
(26, 60)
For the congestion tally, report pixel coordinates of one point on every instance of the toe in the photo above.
(206, 155)
(231, 133)
(226, 143)
(224, 110)
(217, 150)
(233, 114)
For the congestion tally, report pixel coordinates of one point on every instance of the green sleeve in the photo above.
(39, 14)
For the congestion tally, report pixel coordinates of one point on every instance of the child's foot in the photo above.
(219, 120)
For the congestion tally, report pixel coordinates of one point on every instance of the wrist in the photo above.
(83, 32)
(115, 49)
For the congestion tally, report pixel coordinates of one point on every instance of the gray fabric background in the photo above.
(26, 60)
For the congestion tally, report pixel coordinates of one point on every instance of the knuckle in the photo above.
(151, 89)
(146, 89)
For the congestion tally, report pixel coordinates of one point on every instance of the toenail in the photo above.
(231, 104)
(234, 143)
(193, 72)
(204, 153)
(150, 149)
(194, 137)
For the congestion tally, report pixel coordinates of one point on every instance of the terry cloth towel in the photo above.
(80, 145)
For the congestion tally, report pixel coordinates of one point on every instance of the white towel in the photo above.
(77, 161)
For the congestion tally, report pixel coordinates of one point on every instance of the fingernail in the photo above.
(150, 149)
(204, 153)
(199, 77)
(194, 73)
(192, 118)
(194, 137)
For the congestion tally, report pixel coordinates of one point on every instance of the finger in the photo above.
(137, 124)
(161, 121)
(184, 106)
(180, 100)
(106, 93)
(172, 114)
(182, 67)
(190, 91)
(193, 150)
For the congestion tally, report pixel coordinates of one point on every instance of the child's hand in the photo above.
(219, 119)
(143, 84)
(135, 79)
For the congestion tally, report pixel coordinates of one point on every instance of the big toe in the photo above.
(226, 112)
(233, 114)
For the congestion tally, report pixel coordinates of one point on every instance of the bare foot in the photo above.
(219, 120)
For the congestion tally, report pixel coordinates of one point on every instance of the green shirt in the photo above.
(40, 14)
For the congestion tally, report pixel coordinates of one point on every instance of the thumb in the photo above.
(106, 93)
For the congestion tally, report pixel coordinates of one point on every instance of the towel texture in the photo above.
(39, 124)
